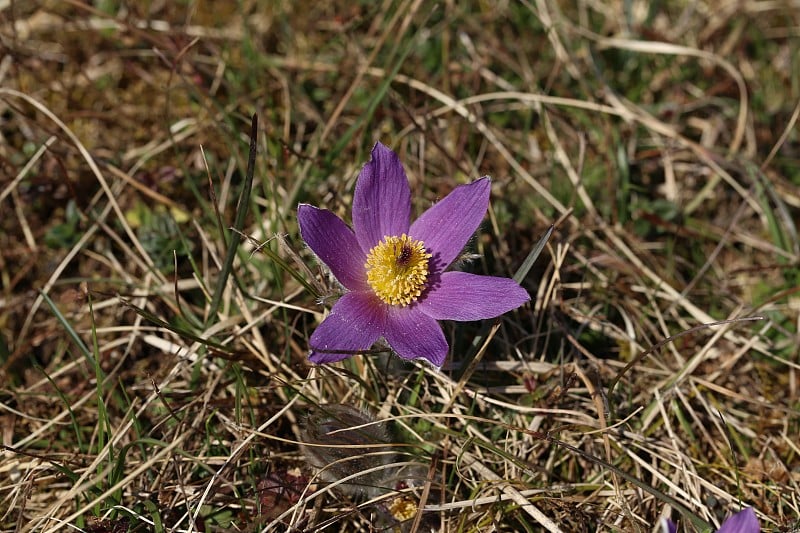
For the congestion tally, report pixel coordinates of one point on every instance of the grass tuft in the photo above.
(156, 299)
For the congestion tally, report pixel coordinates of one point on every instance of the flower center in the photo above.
(397, 269)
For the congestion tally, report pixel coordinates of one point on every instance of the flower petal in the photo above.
(413, 334)
(382, 199)
(463, 296)
(335, 244)
(447, 226)
(668, 526)
(354, 324)
(744, 521)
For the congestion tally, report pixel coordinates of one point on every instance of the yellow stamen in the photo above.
(397, 269)
(403, 508)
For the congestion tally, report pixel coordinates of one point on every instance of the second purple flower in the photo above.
(394, 272)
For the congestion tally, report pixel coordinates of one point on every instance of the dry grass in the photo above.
(147, 386)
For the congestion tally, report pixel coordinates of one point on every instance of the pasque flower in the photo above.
(395, 273)
(745, 521)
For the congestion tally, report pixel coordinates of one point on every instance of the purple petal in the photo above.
(355, 322)
(668, 526)
(463, 296)
(335, 244)
(447, 226)
(744, 521)
(413, 334)
(382, 199)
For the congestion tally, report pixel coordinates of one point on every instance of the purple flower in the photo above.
(745, 521)
(394, 272)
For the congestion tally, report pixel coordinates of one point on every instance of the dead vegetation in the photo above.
(148, 385)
